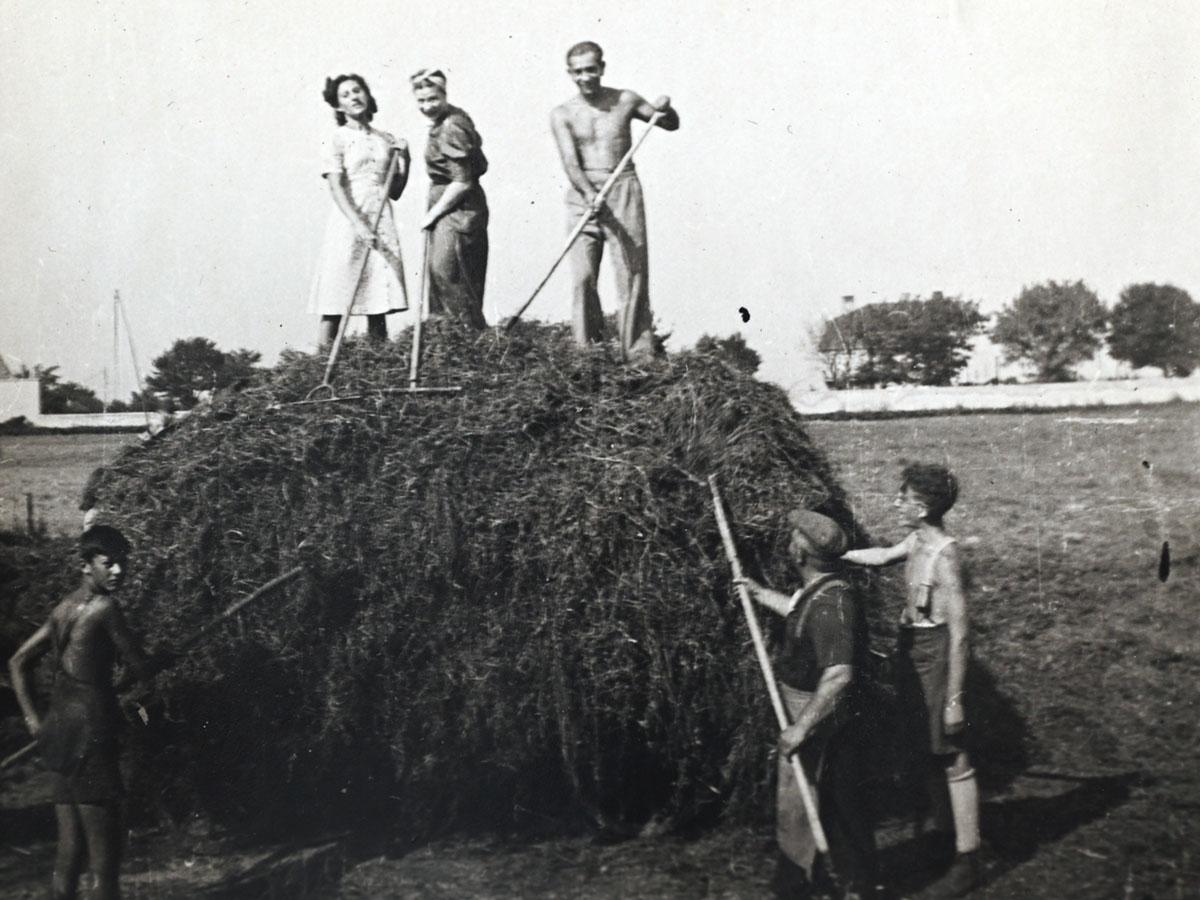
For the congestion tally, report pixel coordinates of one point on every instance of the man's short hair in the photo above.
(103, 540)
(585, 47)
(935, 485)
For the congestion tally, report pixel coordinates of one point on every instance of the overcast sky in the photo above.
(170, 150)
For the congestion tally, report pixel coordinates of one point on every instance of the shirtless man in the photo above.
(592, 131)
(933, 655)
(78, 737)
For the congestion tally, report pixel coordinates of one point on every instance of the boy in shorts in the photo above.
(933, 653)
(78, 736)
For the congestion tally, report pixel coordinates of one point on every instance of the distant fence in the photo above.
(19, 513)
(908, 398)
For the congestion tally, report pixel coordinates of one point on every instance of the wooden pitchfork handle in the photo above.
(393, 161)
(196, 637)
(415, 362)
(760, 648)
(583, 220)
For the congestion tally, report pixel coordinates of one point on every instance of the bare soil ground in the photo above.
(1095, 659)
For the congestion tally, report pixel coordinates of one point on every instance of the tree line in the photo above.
(194, 367)
(180, 377)
(1051, 327)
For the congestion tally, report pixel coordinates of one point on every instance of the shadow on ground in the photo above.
(1014, 829)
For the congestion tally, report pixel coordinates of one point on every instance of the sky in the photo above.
(169, 150)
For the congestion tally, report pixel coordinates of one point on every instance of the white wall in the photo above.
(18, 397)
(910, 398)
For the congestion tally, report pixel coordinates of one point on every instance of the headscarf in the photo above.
(434, 78)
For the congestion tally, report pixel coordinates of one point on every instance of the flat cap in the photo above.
(824, 536)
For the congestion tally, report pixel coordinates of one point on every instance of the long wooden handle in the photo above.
(200, 634)
(393, 162)
(583, 220)
(18, 755)
(204, 630)
(415, 362)
(764, 662)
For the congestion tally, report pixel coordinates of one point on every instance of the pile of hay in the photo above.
(519, 603)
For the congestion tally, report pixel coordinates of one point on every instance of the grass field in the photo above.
(1093, 659)
(53, 468)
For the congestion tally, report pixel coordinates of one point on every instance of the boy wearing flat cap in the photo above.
(825, 641)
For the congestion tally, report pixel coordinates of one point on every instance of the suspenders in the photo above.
(925, 582)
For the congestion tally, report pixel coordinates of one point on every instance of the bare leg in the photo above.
(328, 330)
(68, 859)
(377, 327)
(102, 828)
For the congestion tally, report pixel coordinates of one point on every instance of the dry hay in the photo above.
(520, 605)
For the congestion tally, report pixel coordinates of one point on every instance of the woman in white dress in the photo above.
(354, 163)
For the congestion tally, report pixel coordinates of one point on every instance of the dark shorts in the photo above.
(922, 670)
(78, 743)
(96, 781)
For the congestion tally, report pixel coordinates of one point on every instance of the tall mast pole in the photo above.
(116, 357)
(137, 370)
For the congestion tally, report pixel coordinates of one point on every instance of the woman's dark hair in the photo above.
(331, 96)
(935, 485)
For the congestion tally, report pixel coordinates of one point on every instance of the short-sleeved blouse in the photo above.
(455, 149)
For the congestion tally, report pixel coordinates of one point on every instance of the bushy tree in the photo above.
(56, 396)
(194, 365)
(142, 401)
(733, 349)
(1054, 326)
(1156, 325)
(912, 341)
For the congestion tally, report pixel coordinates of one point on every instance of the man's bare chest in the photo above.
(595, 126)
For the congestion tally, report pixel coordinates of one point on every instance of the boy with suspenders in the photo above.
(933, 653)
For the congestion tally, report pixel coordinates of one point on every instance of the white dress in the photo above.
(362, 155)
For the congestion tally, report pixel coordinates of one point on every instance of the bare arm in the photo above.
(879, 556)
(400, 179)
(569, 154)
(644, 111)
(125, 642)
(37, 644)
(950, 605)
(773, 600)
(450, 198)
(834, 681)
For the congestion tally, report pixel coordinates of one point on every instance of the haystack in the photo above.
(519, 605)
